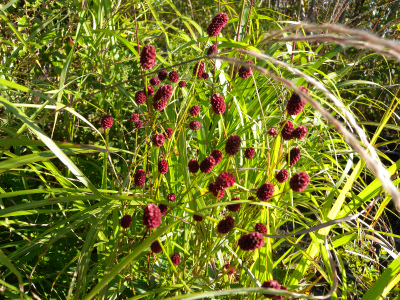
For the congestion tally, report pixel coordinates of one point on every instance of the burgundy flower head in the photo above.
(217, 155)
(151, 216)
(155, 247)
(232, 144)
(217, 104)
(160, 105)
(162, 96)
(231, 269)
(140, 97)
(158, 139)
(148, 57)
(273, 284)
(245, 72)
(171, 197)
(225, 226)
(163, 166)
(272, 132)
(182, 83)
(300, 132)
(299, 181)
(216, 190)
(162, 75)
(150, 90)
(106, 121)
(164, 92)
(197, 218)
(287, 131)
(155, 81)
(234, 207)
(261, 228)
(249, 153)
(225, 180)
(126, 221)
(212, 50)
(296, 104)
(168, 133)
(294, 156)
(195, 125)
(265, 191)
(138, 124)
(194, 111)
(207, 164)
(217, 23)
(251, 241)
(193, 166)
(205, 76)
(176, 259)
(140, 177)
(198, 69)
(173, 76)
(163, 208)
(134, 117)
(282, 176)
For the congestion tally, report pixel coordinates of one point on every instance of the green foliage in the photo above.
(66, 182)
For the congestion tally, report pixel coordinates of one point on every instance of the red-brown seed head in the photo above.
(300, 132)
(207, 164)
(126, 221)
(163, 166)
(272, 132)
(287, 131)
(282, 176)
(158, 139)
(195, 125)
(140, 177)
(232, 144)
(198, 69)
(296, 104)
(155, 81)
(251, 241)
(193, 166)
(261, 228)
(162, 75)
(299, 181)
(225, 180)
(225, 226)
(249, 153)
(217, 155)
(168, 133)
(155, 247)
(212, 50)
(245, 72)
(194, 111)
(140, 97)
(173, 76)
(217, 23)
(134, 117)
(163, 208)
(151, 216)
(171, 197)
(217, 104)
(106, 121)
(148, 57)
(265, 191)
(176, 259)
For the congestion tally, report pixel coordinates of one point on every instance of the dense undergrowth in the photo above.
(89, 163)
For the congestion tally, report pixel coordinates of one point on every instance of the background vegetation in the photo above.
(66, 182)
